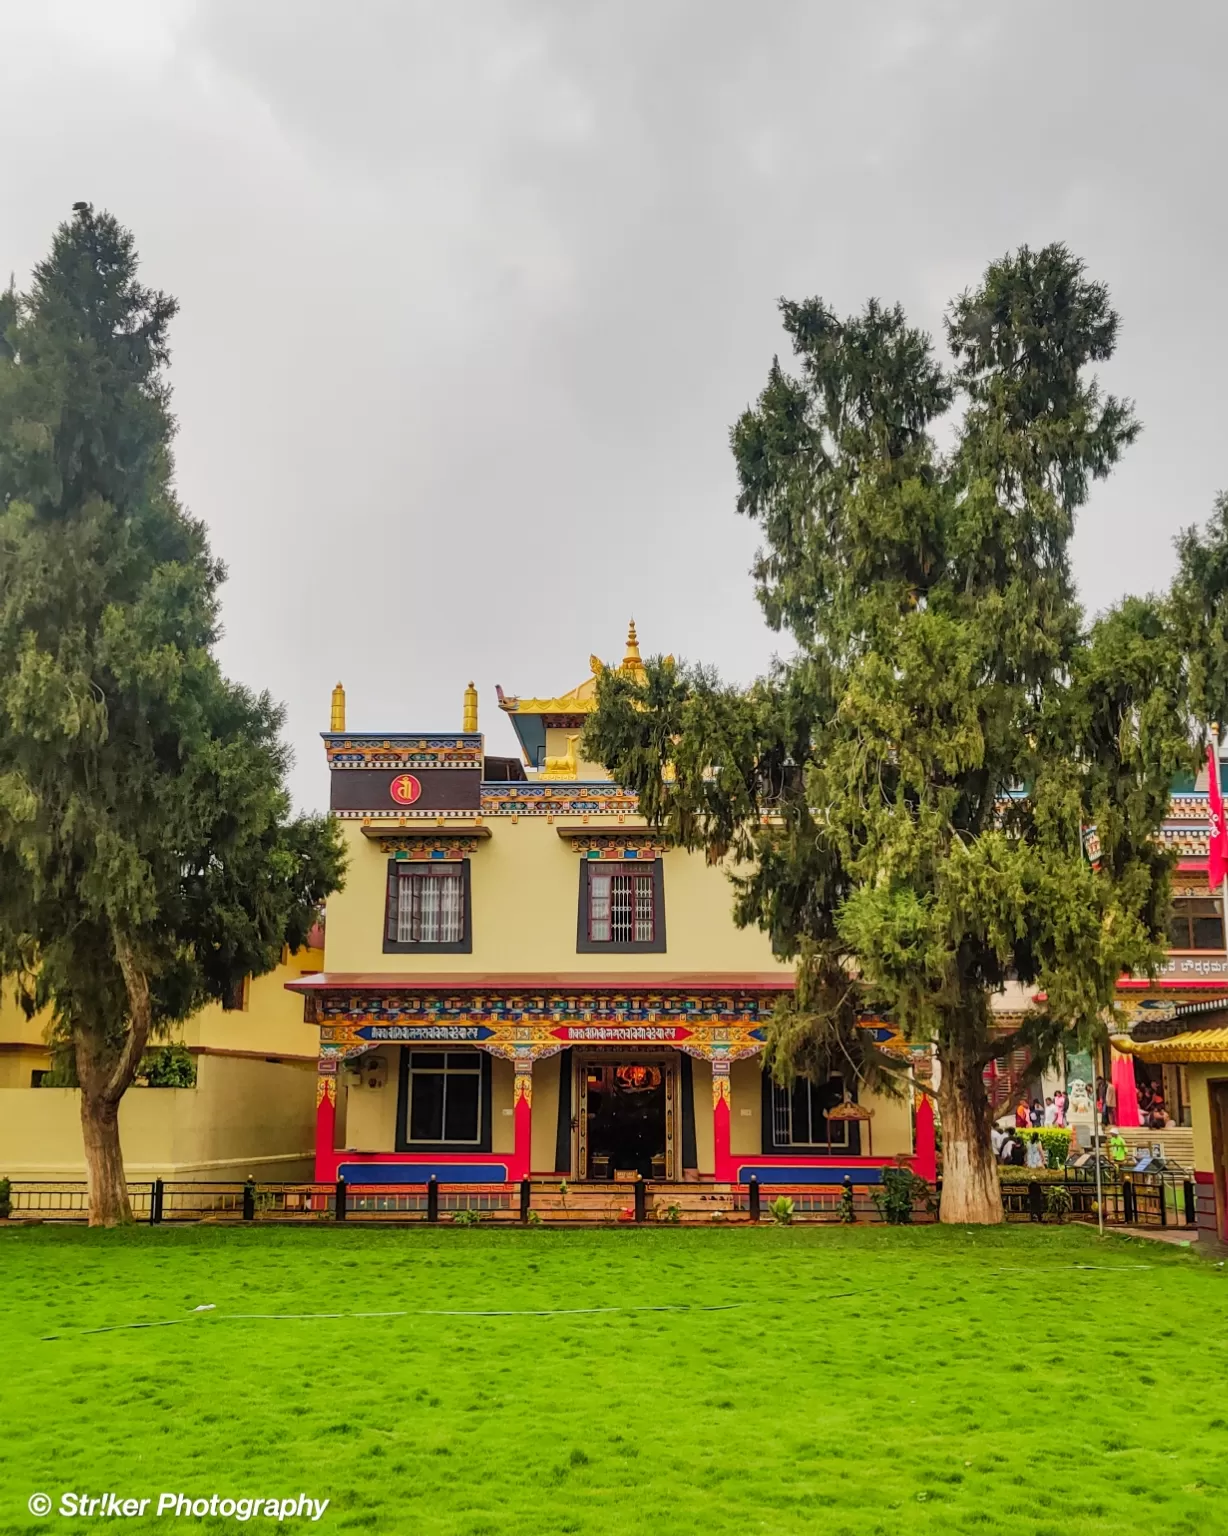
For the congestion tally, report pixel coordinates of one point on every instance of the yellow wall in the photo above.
(890, 1130)
(1201, 1075)
(745, 1108)
(242, 1117)
(22, 1048)
(270, 1024)
(272, 1021)
(371, 1113)
(525, 885)
(16, 1065)
(546, 1079)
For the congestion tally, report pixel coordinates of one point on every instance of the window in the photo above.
(235, 998)
(1196, 922)
(428, 907)
(444, 1101)
(621, 909)
(797, 1117)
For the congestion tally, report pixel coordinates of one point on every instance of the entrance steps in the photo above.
(605, 1201)
(1177, 1142)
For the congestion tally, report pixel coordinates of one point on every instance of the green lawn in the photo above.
(1017, 1381)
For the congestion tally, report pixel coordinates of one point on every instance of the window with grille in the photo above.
(1196, 922)
(445, 1097)
(427, 907)
(798, 1118)
(621, 909)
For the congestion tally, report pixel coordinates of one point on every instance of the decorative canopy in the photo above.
(850, 1111)
(1196, 1045)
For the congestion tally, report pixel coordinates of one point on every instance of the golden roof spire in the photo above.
(337, 720)
(631, 663)
(469, 720)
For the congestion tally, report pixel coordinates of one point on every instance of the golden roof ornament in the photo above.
(337, 716)
(632, 665)
(469, 718)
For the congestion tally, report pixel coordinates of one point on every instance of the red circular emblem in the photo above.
(405, 789)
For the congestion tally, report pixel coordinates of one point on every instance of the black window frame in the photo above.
(654, 946)
(485, 1121)
(831, 1093)
(1185, 900)
(427, 869)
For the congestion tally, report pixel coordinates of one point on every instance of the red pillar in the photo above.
(722, 1159)
(925, 1154)
(522, 1110)
(326, 1122)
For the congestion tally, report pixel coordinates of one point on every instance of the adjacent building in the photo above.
(249, 1111)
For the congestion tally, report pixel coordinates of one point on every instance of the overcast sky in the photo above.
(472, 292)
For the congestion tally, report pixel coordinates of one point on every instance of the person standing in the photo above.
(1021, 1114)
(1110, 1103)
(1036, 1116)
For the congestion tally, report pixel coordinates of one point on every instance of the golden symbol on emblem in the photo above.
(405, 789)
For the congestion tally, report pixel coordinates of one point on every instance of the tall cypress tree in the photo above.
(148, 857)
(905, 798)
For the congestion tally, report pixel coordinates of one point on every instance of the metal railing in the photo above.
(1163, 1199)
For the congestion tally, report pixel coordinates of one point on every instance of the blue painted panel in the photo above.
(419, 1173)
(828, 1175)
(439, 1033)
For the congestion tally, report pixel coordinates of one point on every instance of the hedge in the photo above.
(1055, 1139)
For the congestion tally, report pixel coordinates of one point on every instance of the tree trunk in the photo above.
(971, 1192)
(104, 1162)
(105, 1071)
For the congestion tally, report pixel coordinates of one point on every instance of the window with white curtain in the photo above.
(430, 907)
(427, 905)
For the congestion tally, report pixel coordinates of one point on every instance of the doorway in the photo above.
(626, 1119)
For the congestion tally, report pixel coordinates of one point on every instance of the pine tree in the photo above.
(904, 799)
(148, 858)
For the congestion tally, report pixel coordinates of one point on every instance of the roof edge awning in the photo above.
(1206, 1045)
(641, 832)
(378, 831)
(552, 984)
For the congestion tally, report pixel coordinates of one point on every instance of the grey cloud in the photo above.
(472, 293)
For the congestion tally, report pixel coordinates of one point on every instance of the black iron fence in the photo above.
(1164, 1199)
(1167, 1199)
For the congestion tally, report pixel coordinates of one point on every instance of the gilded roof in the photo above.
(582, 699)
(1194, 1045)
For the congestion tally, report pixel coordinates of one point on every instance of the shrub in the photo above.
(6, 1199)
(1009, 1174)
(167, 1066)
(1055, 1139)
(466, 1218)
(782, 1210)
(848, 1211)
(668, 1212)
(535, 1219)
(900, 1187)
(1057, 1202)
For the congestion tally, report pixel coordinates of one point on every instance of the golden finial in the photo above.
(338, 715)
(631, 663)
(469, 721)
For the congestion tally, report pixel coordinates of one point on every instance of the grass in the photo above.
(1039, 1382)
